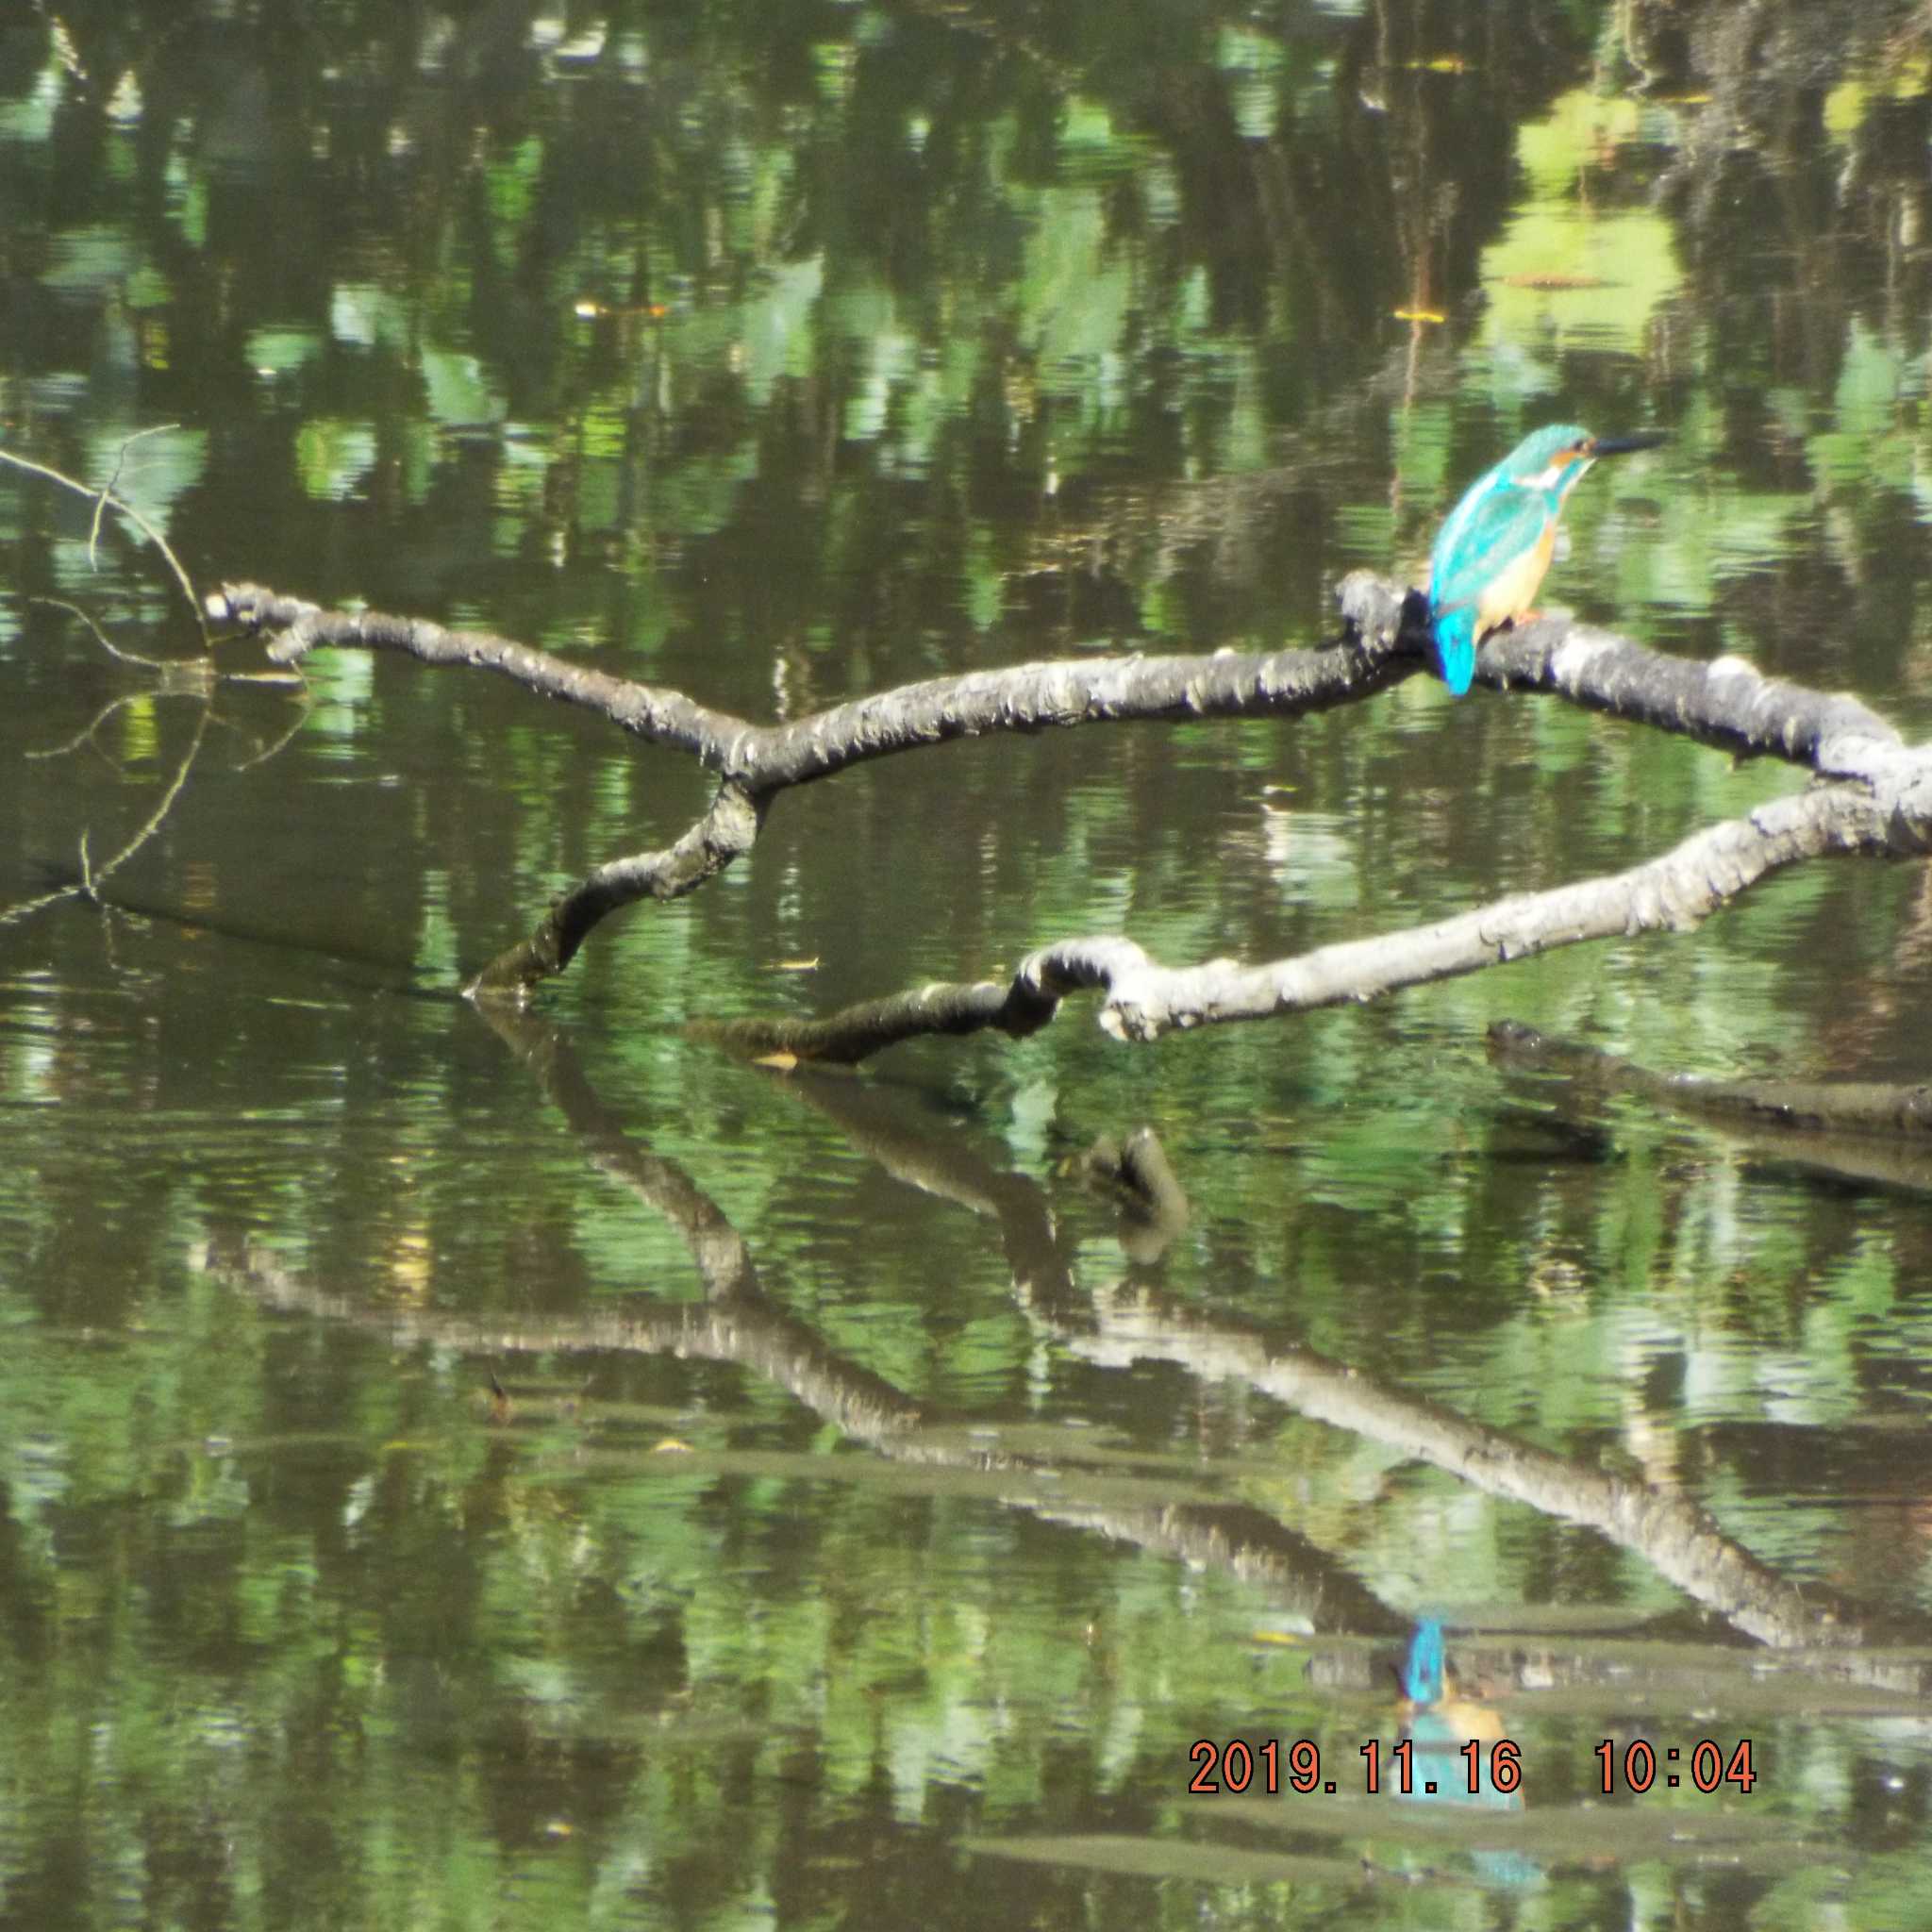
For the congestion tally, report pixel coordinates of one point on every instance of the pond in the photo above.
(462, 1467)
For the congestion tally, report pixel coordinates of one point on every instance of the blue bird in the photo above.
(1491, 553)
(1441, 1727)
(1432, 1699)
(1422, 1669)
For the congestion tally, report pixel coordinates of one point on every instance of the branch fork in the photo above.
(1876, 798)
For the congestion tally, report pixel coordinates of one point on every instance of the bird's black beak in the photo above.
(1621, 445)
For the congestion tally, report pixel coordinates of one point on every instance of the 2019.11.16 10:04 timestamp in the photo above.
(1708, 1765)
(1236, 1767)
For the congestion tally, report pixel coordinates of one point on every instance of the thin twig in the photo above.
(304, 704)
(92, 877)
(176, 677)
(200, 684)
(107, 488)
(113, 650)
(154, 821)
(106, 497)
(85, 736)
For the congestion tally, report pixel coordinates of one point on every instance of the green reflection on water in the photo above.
(780, 356)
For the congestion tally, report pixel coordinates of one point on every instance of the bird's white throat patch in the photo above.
(1552, 478)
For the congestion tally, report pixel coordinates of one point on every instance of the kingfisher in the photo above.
(1445, 1763)
(1491, 553)
(1432, 1700)
(1425, 1668)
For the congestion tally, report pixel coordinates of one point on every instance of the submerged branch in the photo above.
(758, 761)
(1872, 1133)
(857, 1032)
(1885, 805)
(1805, 1107)
(725, 833)
(1144, 999)
(1156, 1203)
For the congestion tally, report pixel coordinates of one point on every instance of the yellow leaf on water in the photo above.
(1553, 279)
(1419, 315)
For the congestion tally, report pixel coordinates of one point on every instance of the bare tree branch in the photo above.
(765, 758)
(1887, 809)
(662, 717)
(856, 1033)
(1144, 999)
(1727, 704)
(758, 761)
(724, 833)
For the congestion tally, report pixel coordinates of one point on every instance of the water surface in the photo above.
(456, 1473)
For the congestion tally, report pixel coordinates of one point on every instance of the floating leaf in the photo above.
(1553, 278)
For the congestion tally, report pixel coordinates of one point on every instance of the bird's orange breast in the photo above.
(1513, 590)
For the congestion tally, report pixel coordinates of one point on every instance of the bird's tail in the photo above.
(1451, 641)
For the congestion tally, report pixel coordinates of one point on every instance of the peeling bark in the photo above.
(1881, 804)
(1143, 999)
(1726, 703)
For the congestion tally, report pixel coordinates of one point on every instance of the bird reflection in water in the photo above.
(1440, 1726)
(1440, 1721)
